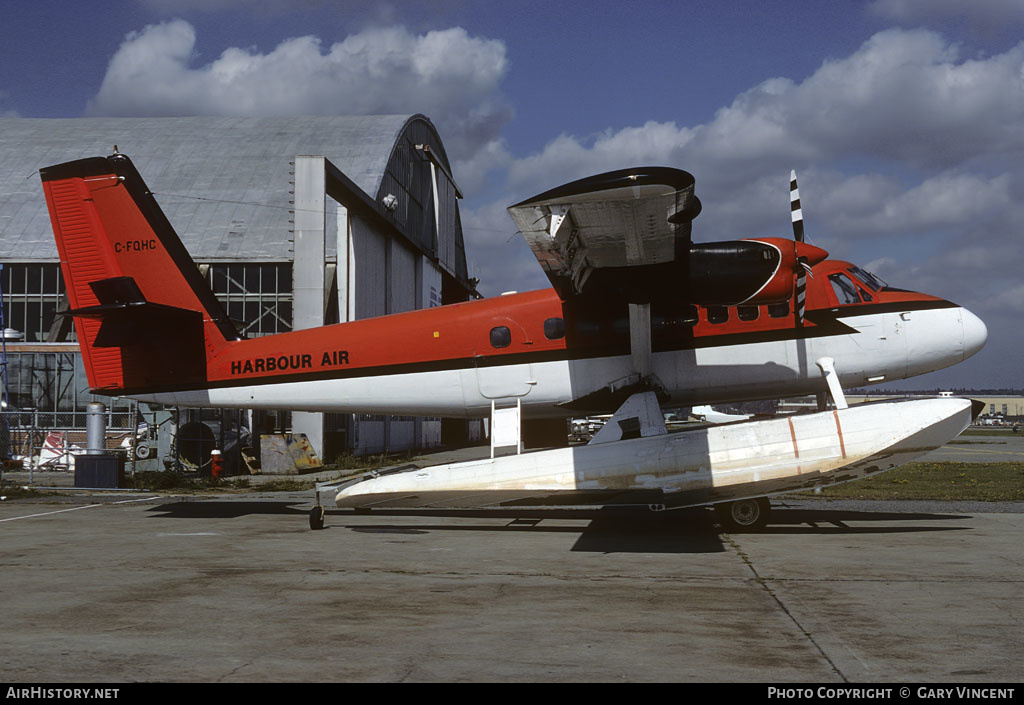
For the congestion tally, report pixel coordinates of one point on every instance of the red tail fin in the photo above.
(145, 318)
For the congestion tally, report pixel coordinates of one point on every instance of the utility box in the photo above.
(100, 471)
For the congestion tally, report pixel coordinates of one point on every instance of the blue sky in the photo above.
(903, 118)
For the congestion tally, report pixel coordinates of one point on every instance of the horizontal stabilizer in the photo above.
(127, 319)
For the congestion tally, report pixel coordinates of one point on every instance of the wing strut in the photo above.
(639, 416)
(640, 340)
(828, 368)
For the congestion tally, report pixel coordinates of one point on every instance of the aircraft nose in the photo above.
(975, 333)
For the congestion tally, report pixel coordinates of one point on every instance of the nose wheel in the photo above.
(744, 514)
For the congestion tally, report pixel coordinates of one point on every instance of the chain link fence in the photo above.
(169, 439)
(42, 439)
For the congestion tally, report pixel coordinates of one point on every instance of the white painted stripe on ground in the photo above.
(74, 509)
(59, 511)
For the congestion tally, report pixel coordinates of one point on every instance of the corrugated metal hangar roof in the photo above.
(223, 182)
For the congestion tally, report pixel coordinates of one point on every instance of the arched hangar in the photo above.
(295, 222)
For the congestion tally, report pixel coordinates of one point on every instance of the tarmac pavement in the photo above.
(236, 588)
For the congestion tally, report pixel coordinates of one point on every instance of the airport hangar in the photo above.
(295, 222)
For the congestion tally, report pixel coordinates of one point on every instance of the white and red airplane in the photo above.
(636, 308)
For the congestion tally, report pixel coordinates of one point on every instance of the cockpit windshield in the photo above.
(845, 290)
(869, 279)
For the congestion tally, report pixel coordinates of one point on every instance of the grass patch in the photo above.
(15, 491)
(347, 461)
(978, 482)
(283, 486)
(167, 480)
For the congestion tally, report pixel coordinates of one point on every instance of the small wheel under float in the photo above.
(744, 514)
(316, 518)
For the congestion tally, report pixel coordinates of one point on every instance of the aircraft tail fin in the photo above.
(145, 318)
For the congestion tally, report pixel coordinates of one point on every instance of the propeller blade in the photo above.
(794, 207)
(797, 214)
(800, 293)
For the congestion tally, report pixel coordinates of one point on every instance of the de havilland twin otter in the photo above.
(638, 317)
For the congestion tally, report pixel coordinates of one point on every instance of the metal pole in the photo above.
(135, 433)
(5, 431)
(177, 440)
(3, 344)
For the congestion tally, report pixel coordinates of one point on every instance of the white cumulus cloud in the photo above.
(904, 97)
(982, 14)
(903, 148)
(450, 76)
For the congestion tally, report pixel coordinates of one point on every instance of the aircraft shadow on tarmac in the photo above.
(612, 530)
(833, 521)
(224, 510)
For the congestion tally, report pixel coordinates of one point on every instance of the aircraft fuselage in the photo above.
(452, 361)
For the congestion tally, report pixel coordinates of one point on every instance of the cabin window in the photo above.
(675, 320)
(587, 327)
(501, 336)
(748, 313)
(718, 314)
(845, 290)
(690, 316)
(779, 310)
(554, 328)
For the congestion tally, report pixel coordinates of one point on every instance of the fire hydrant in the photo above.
(216, 463)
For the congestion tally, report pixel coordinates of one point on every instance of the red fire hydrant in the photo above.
(216, 463)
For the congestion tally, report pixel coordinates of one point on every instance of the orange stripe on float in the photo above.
(792, 434)
(839, 430)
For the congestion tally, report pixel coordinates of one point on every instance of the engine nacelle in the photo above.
(751, 272)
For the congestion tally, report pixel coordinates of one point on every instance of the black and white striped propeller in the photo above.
(800, 293)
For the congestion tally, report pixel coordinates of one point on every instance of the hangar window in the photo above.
(31, 294)
(256, 297)
(554, 328)
(501, 337)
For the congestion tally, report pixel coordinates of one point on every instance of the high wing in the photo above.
(621, 241)
(624, 236)
(634, 223)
